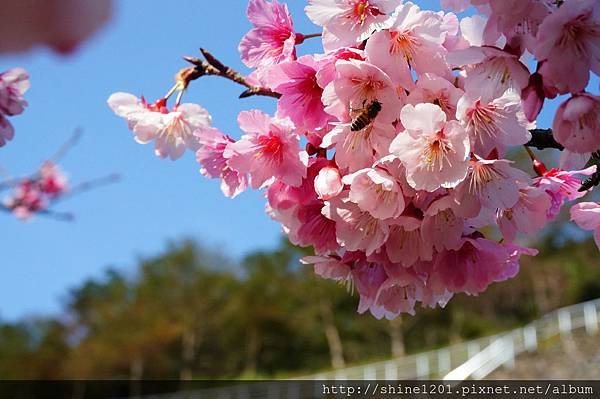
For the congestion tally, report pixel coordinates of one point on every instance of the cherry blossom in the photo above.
(576, 123)
(587, 216)
(376, 192)
(301, 94)
(435, 152)
(567, 44)
(493, 123)
(172, 131)
(356, 230)
(562, 186)
(392, 153)
(269, 148)
(356, 84)
(328, 183)
(433, 89)
(214, 164)
(273, 39)
(350, 21)
(528, 215)
(7, 131)
(415, 40)
(13, 85)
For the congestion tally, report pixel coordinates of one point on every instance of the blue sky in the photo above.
(158, 200)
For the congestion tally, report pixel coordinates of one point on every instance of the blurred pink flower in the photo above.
(59, 24)
(528, 215)
(577, 123)
(13, 85)
(329, 267)
(52, 180)
(405, 244)
(587, 216)
(567, 44)
(7, 131)
(562, 186)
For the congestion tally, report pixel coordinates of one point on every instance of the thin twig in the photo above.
(64, 149)
(542, 139)
(309, 36)
(87, 186)
(594, 180)
(212, 66)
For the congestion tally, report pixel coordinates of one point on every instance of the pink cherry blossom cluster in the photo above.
(35, 194)
(13, 85)
(388, 152)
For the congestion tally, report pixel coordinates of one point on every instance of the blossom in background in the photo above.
(587, 216)
(576, 123)
(172, 130)
(562, 186)
(59, 24)
(567, 44)
(273, 39)
(13, 85)
(528, 215)
(35, 194)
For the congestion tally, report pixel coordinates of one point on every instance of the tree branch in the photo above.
(594, 179)
(212, 66)
(542, 139)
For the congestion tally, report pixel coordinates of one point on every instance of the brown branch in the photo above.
(212, 66)
(594, 180)
(542, 139)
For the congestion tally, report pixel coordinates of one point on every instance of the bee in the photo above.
(365, 115)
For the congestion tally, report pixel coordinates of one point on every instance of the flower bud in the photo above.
(328, 183)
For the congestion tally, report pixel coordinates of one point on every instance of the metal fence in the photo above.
(473, 359)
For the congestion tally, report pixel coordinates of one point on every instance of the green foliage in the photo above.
(190, 313)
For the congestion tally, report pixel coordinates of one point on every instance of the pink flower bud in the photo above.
(328, 183)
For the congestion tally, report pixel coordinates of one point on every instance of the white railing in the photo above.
(473, 359)
(503, 349)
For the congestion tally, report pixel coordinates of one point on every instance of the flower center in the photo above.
(271, 146)
(404, 43)
(362, 10)
(482, 174)
(436, 153)
(482, 119)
